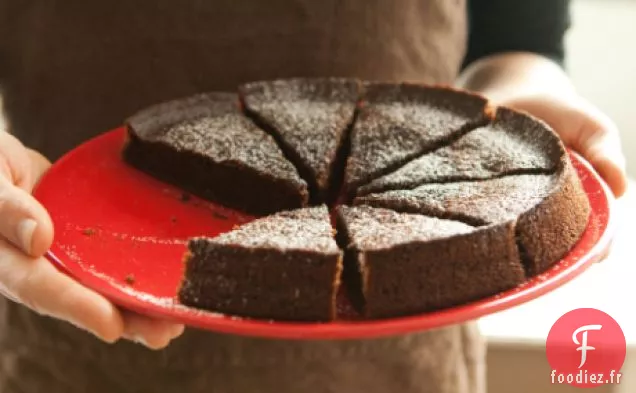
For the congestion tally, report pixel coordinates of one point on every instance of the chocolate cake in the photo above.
(550, 212)
(285, 266)
(400, 122)
(514, 143)
(407, 263)
(309, 118)
(453, 201)
(206, 146)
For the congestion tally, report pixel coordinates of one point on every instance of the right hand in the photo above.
(26, 277)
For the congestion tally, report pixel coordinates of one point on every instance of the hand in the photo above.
(583, 128)
(532, 83)
(28, 278)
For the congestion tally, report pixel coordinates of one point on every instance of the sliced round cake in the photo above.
(452, 200)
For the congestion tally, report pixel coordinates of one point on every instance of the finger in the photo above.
(39, 165)
(16, 162)
(609, 163)
(37, 284)
(598, 140)
(153, 333)
(25, 223)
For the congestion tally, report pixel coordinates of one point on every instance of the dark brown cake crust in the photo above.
(547, 232)
(514, 143)
(399, 122)
(206, 146)
(407, 264)
(310, 119)
(285, 266)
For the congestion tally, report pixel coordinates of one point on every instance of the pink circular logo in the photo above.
(586, 348)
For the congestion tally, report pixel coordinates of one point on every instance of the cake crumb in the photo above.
(130, 279)
(173, 219)
(185, 197)
(220, 215)
(88, 232)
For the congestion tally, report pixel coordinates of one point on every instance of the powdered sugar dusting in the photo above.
(512, 143)
(309, 116)
(490, 201)
(374, 228)
(218, 131)
(99, 232)
(301, 229)
(400, 122)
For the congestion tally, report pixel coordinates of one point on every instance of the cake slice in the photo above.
(550, 212)
(310, 119)
(400, 122)
(514, 143)
(204, 145)
(285, 267)
(403, 264)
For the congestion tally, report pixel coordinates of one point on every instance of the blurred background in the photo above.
(601, 60)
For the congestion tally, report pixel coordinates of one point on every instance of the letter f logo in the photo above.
(583, 344)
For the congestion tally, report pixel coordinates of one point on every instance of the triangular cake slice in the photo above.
(205, 145)
(550, 211)
(478, 203)
(403, 264)
(285, 267)
(400, 122)
(514, 143)
(310, 118)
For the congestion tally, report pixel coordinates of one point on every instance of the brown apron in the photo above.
(71, 69)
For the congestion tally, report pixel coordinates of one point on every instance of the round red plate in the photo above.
(123, 234)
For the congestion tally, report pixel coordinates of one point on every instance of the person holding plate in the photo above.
(72, 69)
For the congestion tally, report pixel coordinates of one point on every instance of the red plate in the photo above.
(123, 234)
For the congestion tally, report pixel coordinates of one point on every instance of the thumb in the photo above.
(23, 221)
(602, 149)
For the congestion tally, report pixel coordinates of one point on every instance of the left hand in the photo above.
(582, 127)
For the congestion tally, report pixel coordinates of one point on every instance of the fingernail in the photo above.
(25, 234)
(139, 340)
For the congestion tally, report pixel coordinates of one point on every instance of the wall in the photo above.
(602, 62)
